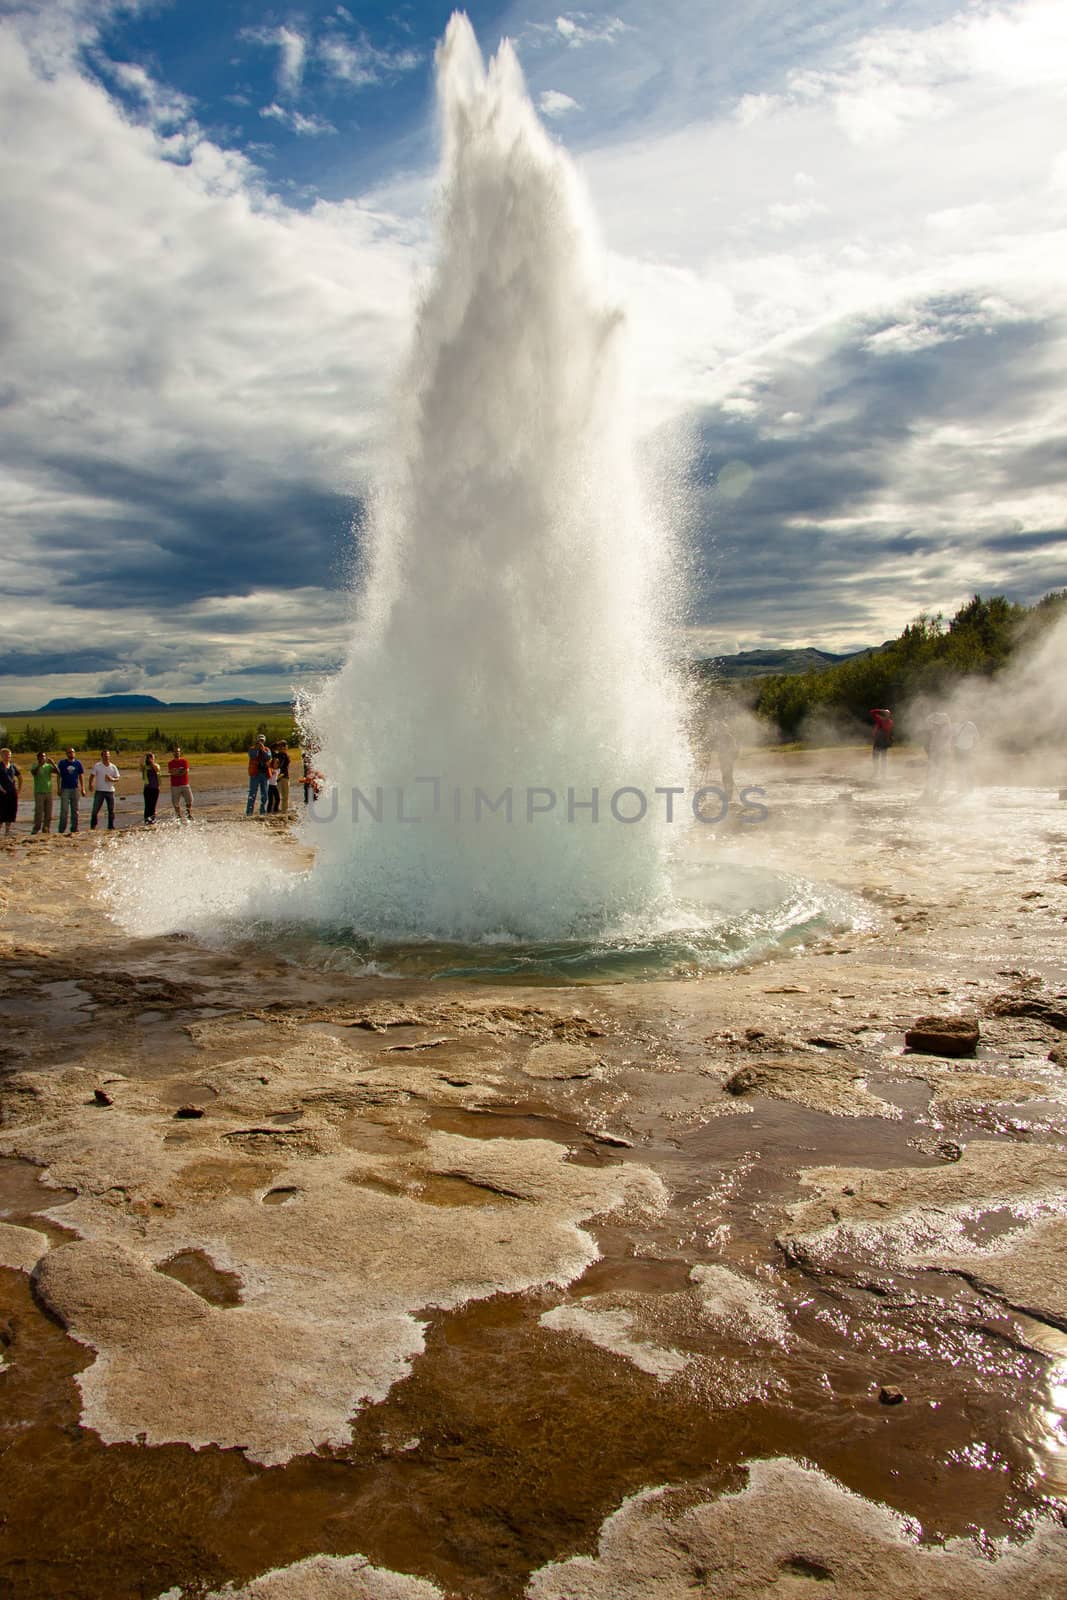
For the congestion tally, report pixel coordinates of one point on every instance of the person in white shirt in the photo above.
(938, 742)
(963, 748)
(102, 781)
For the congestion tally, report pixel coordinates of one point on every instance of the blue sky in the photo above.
(839, 231)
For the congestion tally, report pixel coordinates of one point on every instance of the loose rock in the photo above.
(943, 1036)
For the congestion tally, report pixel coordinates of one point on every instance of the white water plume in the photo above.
(510, 638)
(511, 631)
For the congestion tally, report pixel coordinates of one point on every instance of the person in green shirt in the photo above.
(45, 778)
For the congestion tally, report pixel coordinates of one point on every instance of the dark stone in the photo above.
(943, 1036)
(187, 1112)
(102, 1098)
(890, 1397)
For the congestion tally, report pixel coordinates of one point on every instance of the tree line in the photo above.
(36, 736)
(929, 659)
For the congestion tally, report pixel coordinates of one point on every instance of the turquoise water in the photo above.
(719, 918)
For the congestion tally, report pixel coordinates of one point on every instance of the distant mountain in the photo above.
(765, 663)
(135, 702)
(107, 702)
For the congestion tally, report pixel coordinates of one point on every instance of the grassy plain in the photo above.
(212, 729)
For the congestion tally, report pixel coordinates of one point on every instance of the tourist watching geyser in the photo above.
(71, 789)
(102, 781)
(181, 793)
(273, 797)
(259, 759)
(44, 772)
(964, 745)
(150, 776)
(10, 787)
(283, 759)
(882, 718)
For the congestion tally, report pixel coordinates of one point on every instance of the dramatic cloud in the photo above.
(840, 246)
(192, 374)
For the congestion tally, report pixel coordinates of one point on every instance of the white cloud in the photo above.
(788, 213)
(164, 107)
(751, 107)
(358, 63)
(345, 57)
(297, 121)
(554, 103)
(583, 28)
(292, 47)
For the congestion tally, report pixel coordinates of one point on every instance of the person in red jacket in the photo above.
(883, 738)
(181, 793)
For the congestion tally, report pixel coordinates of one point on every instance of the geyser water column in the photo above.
(509, 634)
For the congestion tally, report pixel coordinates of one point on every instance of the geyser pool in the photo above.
(510, 637)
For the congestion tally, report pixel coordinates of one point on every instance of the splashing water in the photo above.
(511, 633)
(510, 640)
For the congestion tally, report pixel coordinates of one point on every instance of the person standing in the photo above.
(10, 788)
(71, 789)
(150, 781)
(963, 748)
(44, 772)
(102, 781)
(258, 774)
(180, 792)
(723, 742)
(273, 797)
(283, 758)
(938, 742)
(882, 718)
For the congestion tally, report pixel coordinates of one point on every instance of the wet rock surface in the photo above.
(440, 1277)
(789, 1533)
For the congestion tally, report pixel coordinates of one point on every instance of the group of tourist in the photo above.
(949, 749)
(268, 777)
(67, 778)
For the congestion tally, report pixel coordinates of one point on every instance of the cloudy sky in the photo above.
(839, 228)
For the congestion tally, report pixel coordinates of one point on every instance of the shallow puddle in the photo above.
(198, 1272)
(22, 1193)
(504, 1124)
(185, 1092)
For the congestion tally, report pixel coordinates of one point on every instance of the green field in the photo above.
(198, 729)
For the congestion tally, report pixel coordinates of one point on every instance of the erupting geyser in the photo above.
(510, 634)
(497, 746)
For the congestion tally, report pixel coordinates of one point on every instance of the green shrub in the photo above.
(35, 736)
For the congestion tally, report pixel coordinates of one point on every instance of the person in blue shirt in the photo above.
(71, 789)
